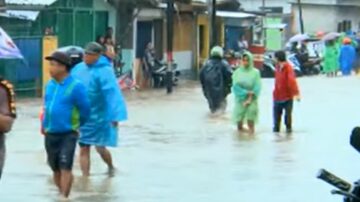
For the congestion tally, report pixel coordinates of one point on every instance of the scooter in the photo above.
(308, 66)
(159, 74)
(268, 70)
(350, 192)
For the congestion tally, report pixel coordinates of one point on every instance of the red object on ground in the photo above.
(258, 52)
(126, 82)
(286, 87)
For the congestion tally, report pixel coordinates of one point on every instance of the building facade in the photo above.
(327, 15)
(256, 5)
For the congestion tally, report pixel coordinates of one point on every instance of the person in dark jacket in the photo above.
(7, 115)
(215, 78)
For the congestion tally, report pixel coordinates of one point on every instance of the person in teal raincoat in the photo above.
(246, 89)
(107, 106)
(331, 58)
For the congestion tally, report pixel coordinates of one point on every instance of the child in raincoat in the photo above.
(246, 88)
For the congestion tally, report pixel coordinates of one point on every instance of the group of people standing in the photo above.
(82, 105)
(340, 54)
(218, 80)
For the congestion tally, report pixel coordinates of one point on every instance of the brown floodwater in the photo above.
(172, 150)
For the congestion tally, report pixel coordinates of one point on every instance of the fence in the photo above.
(25, 73)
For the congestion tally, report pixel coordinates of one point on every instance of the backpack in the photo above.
(212, 74)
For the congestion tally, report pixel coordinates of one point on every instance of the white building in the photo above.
(255, 5)
(327, 15)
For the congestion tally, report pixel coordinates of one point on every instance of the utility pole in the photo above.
(170, 34)
(263, 23)
(263, 5)
(301, 20)
(212, 18)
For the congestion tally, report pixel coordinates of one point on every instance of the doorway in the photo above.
(144, 36)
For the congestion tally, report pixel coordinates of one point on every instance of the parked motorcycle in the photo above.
(350, 192)
(268, 70)
(308, 66)
(159, 75)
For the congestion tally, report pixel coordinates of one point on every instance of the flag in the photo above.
(8, 48)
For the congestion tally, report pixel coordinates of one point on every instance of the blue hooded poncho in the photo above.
(107, 103)
(347, 59)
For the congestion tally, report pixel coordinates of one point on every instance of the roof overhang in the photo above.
(231, 14)
(276, 26)
(30, 2)
(22, 15)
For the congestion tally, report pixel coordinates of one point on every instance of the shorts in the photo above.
(84, 145)
(60, 149)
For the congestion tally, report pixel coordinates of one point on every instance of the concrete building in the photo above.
(327, 15)
(276, 20)
(256, 5)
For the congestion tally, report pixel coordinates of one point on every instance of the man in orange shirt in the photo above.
(286, 90)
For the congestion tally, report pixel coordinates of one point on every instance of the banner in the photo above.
(8, 49)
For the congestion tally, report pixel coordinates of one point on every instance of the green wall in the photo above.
(274, 37)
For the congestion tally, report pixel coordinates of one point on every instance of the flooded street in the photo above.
(172, 150)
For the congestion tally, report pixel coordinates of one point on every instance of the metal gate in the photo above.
(25, 73)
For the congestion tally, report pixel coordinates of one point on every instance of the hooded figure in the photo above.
(215, 79)
(331, 58)
(246, 89)
(107, 103)
(347, 57)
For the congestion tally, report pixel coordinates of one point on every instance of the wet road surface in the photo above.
(173, 151)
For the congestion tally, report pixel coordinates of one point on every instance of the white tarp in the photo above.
(30, 2)
(25, 15)
(276, 26)
(8, 48)
(229, 14)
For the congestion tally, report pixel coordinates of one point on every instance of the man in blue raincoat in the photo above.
(107, 106)
(347, 57)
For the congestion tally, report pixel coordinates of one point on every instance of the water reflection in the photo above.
(172, 150)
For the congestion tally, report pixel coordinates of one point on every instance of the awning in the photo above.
(229, 14)
(23, 15)
(30, 2)
(276, 26)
